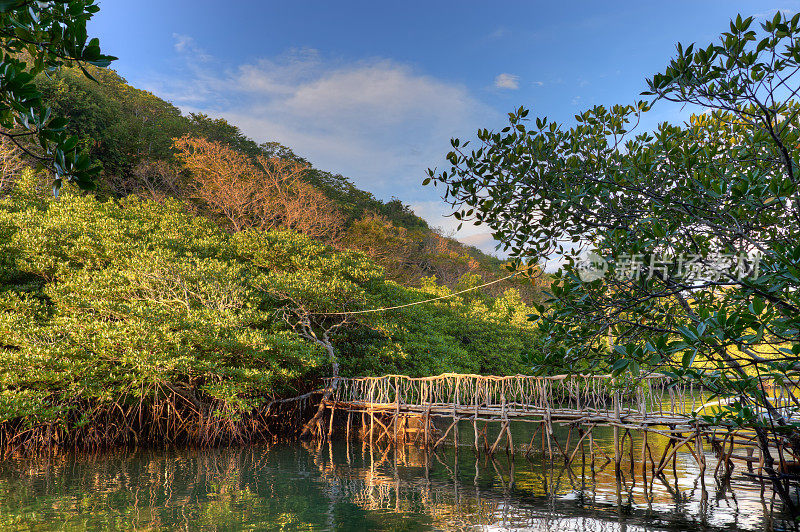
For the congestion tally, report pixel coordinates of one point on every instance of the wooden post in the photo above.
(371, 425)
(675, 464)
(347, 441)
(578, 447)
(509, 439)
(423, 397)
(701, 458)
(728, 462)
(396, 408)
(455, 413)
(427, 421)
(544, 430)
(499, 437)
(569, 439)
(330, 424)
(633, 460)
(760, 461)
(549, 420)
(371, 413)
(475, 419)
(719, 450)
(617, 450)
(644, 457)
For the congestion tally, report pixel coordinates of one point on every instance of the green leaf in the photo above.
(619, 366)
(10, 5)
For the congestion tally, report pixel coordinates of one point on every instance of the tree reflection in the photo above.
(348, 486)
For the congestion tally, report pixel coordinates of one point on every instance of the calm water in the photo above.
(353, 487)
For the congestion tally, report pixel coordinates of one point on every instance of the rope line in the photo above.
(439, 298)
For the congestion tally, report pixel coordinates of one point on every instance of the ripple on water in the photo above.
(352, 487)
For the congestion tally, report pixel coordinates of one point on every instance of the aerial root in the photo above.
(167, 417)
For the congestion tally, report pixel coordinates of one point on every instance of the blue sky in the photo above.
(375, 90)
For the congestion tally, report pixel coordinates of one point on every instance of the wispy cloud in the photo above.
(437, 215)
(771, 13)
(378, 121)
(537, 83)
(485, 242)
(506, 81)
(185, 44)
(499, 33)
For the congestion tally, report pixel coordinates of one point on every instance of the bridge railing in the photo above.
(652, 396)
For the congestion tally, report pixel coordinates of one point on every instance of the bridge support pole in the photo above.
(330, 423)
(617, 449)
(475, 428)
(701, 458)
(475, 417)
(644, 456)
(456, 414)
(396, 409)
(371, 414)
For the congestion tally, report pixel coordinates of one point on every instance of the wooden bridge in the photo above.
(398, 408)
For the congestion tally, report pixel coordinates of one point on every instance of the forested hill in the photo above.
(132, 134)
(208, 275)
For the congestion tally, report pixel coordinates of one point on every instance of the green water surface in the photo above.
(350, 486)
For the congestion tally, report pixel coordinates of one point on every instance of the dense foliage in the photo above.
(697, 225)
(131, 134)
(207, 273)
(36, 38)
(140, 307)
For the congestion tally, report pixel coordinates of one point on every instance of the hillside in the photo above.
(133, 321)
(131, 132)
(207, 276)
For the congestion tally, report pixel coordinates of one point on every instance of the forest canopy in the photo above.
(204, 275)
(120, 310)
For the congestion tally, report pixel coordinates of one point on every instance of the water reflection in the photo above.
(349, 486)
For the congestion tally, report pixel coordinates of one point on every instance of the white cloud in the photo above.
(435, 212)
(378, 121)
(182, 42)
(538, 83)
(771, 13)
(499, 33)
(485, 242)
(185, 44)
(506, 81)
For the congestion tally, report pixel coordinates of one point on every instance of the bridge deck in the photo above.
(529, 414)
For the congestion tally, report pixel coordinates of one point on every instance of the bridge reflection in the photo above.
(344, 485)
(458, 490)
